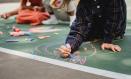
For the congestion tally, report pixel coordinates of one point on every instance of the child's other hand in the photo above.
(65, 50)
(114, 48)
(5, 15)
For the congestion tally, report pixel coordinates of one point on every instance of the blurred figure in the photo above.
(68, 6)
(29, 11)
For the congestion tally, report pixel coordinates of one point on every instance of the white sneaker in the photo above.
(51, 20)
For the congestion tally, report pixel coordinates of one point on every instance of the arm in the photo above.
(78, 33)
(14, 12)
(115, 17)
(8, 14)
(112, 19)
(79, 29)
(74, 38)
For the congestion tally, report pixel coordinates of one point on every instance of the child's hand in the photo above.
(65, 50)
(114, 48)
(5, 15)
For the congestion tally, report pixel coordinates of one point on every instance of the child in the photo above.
(30, 11)
(69, 6)
(104, 19)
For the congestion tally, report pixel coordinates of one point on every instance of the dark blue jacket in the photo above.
(104, 19)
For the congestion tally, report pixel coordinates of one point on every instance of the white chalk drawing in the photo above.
(73, 58)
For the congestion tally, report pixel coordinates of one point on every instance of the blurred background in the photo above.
(3, 1)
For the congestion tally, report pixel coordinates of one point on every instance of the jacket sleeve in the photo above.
(75, 36)
(79, 28)
(112, 18)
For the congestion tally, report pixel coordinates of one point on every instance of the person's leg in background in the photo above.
(64, 13)
(71, 10)
(52, 19)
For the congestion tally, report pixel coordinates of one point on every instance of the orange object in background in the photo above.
(31, 17)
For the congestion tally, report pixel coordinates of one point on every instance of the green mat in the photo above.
(90, 53)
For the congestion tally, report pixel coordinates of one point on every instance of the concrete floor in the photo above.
(15, 67)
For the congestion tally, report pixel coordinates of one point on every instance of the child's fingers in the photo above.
(68, 50)
(117, 48)
(5, 16)
(64, 55)
(103, 47)
(113, 48)
(65, 50)
(62, 51)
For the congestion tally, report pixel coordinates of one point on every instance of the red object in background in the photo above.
(31, 17)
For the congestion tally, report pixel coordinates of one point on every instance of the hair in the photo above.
(66, 2)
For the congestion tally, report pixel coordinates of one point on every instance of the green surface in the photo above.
(89, 52)
(118, 62)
